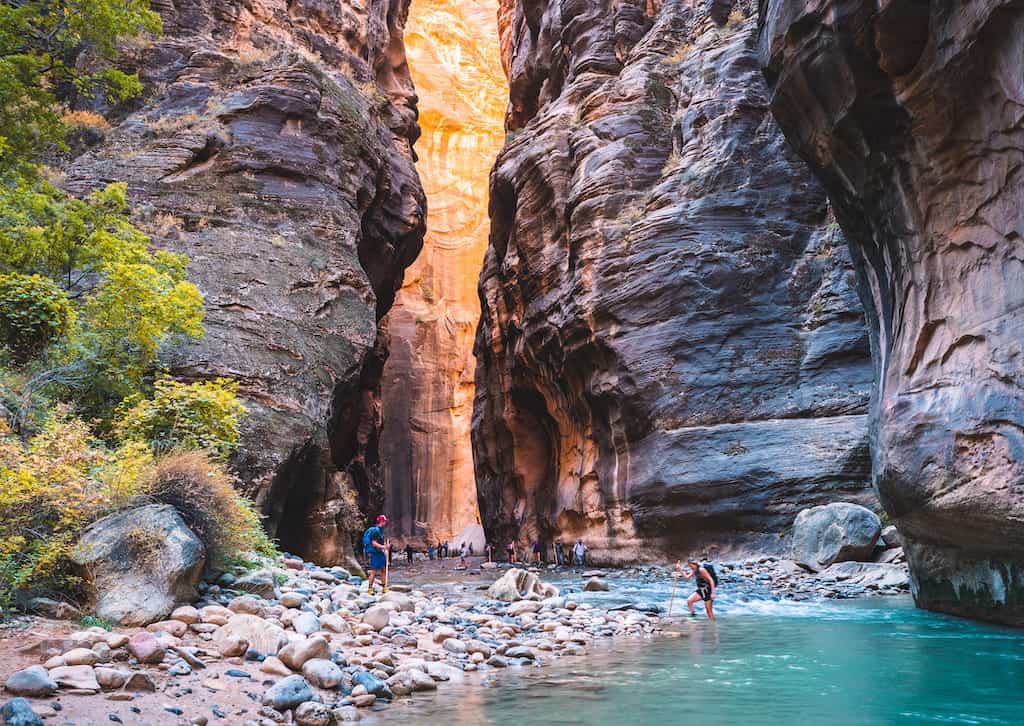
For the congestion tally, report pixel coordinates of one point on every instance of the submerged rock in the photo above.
(140, 563)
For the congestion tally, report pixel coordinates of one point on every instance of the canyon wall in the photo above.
(912, 115)
(671, 351)
(428, 379)
(273, 146)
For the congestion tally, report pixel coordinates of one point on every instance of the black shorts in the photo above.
(704, 591)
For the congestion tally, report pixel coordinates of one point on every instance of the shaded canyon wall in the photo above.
(912, 116)
(428, 379)
(273, 146)
(671, 351)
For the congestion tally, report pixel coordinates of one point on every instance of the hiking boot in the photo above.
(384, 589)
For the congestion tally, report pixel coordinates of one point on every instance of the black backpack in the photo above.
(711, 571)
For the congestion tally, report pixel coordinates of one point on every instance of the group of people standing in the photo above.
(378, 549)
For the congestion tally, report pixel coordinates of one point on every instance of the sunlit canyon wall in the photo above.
(428, 380)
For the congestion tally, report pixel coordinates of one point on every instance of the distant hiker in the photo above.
(559, 554)
(489, 549)
(443, 551)
(376, 548)
(470, 549)
(462, 554)
(579, 552)
(430, 551)
(408, 553)
(538, 551)
(510, 550)
(706, 580)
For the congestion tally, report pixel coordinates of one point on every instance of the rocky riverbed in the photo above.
(297, 643)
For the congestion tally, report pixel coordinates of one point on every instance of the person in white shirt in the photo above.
(579, 552)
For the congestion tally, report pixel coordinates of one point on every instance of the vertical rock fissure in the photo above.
(427, 386)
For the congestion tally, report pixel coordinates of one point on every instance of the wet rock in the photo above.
(835, 532)
(18, 712)
(322, 673)
(146, 648)
(133, 580)
(421, 681)
(288, 693)
(517, 584)
(596, 584)
(33, 681)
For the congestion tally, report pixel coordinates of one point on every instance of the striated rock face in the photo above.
(912, 115)
(671, 351)
(273, 147)
(428, 379)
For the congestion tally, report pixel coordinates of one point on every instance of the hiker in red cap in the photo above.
(376, 548)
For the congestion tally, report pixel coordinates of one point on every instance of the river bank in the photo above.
(309, 645)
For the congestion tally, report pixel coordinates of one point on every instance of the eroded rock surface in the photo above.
(273, 146)
(140, 563)
(671, 349)
(912, 115)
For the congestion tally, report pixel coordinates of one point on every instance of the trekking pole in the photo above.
(671, 600)
(387, 564)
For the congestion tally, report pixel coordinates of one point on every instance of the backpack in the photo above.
(368, 539)
(711, 571)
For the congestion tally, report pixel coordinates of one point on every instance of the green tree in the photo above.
(51, 50)
(201, 415)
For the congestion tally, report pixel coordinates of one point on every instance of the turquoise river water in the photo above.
(764, 661)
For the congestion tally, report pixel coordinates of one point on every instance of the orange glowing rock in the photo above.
(455, 60)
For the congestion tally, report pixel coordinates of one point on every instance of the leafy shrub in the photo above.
(62, 480)
(34, 312)
(205, 496)
(199, 415)
(51, 488)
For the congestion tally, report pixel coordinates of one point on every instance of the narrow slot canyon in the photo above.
(427, 388)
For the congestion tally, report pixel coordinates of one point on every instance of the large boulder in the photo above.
(140, 563)
(33, 681)
(834, 533)
(519, 584)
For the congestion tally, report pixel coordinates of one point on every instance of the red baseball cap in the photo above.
(381, 519)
